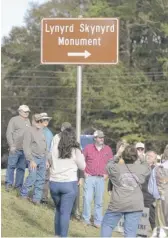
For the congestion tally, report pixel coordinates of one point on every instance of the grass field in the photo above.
(20, 218)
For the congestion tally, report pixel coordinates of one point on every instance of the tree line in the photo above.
(128, 101)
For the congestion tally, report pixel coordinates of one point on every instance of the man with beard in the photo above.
(96, 156)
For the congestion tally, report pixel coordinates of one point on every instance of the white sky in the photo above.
(12, 13)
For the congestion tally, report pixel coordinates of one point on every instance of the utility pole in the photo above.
(78, 102)
(78, 113)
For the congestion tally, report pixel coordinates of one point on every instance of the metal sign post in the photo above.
(78, 124)
(78, 102)
(79, 41)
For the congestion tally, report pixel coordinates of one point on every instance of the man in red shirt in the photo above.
(96, 155)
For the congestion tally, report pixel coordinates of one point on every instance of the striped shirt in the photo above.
(96, 160)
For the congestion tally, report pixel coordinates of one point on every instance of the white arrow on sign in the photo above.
(85, 54)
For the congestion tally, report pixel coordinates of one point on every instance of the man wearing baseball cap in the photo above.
(140, 150)
(140, 145)
(48, 136)
(16, 160)
(96, 155)
(36, 152)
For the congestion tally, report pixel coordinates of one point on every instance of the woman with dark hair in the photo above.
(67, 158)
(126, 197)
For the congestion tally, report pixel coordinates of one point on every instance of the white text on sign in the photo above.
(92, 29)
(79, 41)
(84, 28)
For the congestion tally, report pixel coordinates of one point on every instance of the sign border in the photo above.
(79, 63)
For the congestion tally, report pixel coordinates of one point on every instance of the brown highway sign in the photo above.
(79, 41)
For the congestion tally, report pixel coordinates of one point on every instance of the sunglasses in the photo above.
(140, 149)
(45, 119)
(40, 121)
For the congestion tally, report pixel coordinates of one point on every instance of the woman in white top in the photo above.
(66, 159)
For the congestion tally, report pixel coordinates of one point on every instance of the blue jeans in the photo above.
(93, 185)
(63, 195)
(111, 219)
(16, 161)
(36, 177)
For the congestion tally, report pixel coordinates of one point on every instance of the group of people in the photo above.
(133, 185)
(29, 146)
(58, 163)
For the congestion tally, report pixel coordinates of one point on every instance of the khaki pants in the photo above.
(162, 213)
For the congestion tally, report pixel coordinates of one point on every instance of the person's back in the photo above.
(65, 170)
(127, 179)
(120, 147)
(126, 197)
(66, 159)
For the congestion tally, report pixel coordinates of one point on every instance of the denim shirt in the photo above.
(48, 136)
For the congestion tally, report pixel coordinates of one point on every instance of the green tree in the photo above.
(129, 100)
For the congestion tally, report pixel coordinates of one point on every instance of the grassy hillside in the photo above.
(20, 218)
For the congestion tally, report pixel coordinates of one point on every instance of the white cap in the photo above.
(44, 115)
(37, 117)
(98, 133)
(140, 145)
(24, 108)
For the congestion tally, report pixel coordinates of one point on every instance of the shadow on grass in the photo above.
(79, 235)
(3, 182)
(26, 217)
(50, 203)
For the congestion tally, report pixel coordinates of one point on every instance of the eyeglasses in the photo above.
(39, 121)
(140, 149)
(45, 120)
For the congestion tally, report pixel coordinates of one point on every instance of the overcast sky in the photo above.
(12, 13)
